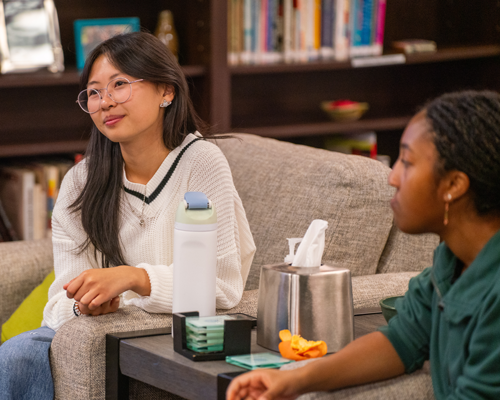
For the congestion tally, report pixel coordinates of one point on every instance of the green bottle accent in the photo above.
(196, 217)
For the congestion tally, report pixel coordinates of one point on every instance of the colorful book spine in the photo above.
(288, 31)
(380, 27)
(342, 29)
(297, 29)
(327, 29)
(246, 54)
(309, 30)
(316, 26)
(235, 14)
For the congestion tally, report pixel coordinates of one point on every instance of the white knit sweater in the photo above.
(202, 168)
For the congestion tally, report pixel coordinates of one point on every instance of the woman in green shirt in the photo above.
(447, 181)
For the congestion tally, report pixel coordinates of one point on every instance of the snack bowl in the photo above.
(344, 110)
(388, 307)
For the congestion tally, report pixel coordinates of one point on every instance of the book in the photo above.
(314, 54)
(342, 30)
(16, 192)
(379, 27)
(327, 29)
(288, 27)
(7, 231)
(362, 27)
(414, 46)
(235, 14)
(39, 200)
(246, 55)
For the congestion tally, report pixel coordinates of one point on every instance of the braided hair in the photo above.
(466, 133)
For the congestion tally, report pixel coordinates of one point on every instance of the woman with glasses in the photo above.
(447, 182)
(113, 222)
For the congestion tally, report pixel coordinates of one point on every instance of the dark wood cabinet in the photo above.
(38, 113)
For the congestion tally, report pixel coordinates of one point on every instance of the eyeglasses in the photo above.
(119, 90)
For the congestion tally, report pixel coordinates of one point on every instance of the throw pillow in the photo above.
(29, 314)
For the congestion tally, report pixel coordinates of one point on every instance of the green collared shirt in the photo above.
(454, 325)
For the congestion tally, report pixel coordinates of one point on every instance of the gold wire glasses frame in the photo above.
(120, 91)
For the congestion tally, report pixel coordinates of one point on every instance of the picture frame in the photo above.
(29, 36)
(90, 32)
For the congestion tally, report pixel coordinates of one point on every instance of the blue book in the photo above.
(367, 23)
(362, 28)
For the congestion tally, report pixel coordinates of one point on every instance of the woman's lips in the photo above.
(113, 120)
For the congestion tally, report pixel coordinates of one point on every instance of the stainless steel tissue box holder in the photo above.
(313, 302)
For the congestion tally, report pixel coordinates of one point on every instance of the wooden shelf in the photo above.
(455, 53)
(445, 54)
(69, 77)
(29, 149)
(325, 128)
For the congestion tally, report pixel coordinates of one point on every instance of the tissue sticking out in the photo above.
(312, 245)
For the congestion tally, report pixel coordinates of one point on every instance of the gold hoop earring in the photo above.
(165, 103)
(446, 209)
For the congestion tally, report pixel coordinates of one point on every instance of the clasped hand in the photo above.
(97, 290)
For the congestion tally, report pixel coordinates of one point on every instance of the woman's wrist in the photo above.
(140, 281)
(315, 376)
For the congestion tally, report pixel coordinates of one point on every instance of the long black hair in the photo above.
(141, 55)
(466, 132)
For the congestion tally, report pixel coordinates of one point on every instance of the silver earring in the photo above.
(165, 103)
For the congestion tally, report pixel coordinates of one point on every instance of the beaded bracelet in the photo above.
(76, 309)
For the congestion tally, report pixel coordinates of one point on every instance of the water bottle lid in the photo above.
(194, 210)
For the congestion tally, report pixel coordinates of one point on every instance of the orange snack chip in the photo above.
(297, 348)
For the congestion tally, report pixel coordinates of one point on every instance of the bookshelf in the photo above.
(39, 115)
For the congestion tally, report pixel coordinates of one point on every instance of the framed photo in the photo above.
(90, 32)
(29, 36)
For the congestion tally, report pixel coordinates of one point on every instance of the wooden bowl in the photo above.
(344, 110)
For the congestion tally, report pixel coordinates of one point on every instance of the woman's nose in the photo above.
(393, 175)
(107, 101)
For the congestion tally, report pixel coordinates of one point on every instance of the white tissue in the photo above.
(291, 245)
(312, 246)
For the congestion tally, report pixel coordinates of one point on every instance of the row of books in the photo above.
(28, 192)
(267, 31)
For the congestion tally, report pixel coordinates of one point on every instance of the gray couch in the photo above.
(283, 187)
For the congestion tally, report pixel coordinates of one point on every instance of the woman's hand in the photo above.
(264, 384)
(105, 308)
(94, 287)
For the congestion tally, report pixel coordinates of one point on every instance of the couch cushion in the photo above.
(285, 186)
(404, 253)
(29, 314)
(23, 266)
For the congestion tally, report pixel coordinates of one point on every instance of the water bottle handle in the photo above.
(196, 201)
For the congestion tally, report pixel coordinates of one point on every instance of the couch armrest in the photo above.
(368, 290)
(23, 266)
(415, 386)
(78, 351)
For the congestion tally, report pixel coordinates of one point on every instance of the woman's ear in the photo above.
(169, 90)
(457, 184)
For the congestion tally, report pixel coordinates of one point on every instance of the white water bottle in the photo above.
(195, 255)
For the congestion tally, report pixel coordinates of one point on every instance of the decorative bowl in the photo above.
(344, 110)
(388, 308)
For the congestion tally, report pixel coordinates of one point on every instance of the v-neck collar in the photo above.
(148, 193)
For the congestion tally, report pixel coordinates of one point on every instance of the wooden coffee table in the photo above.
(148, 356)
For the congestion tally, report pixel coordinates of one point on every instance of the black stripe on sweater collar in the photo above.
(149, 199)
